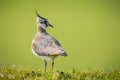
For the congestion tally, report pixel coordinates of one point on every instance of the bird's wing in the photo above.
(38, 47)
(54, 47)
(47, 46)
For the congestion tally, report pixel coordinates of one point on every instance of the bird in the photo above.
(44, 45)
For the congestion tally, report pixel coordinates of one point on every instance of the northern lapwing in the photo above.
(44, 45)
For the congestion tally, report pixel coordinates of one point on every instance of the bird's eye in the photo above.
(45, 21)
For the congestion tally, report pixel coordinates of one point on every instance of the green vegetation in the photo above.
(26, 73)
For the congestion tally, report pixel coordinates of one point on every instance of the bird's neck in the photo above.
(41, 30)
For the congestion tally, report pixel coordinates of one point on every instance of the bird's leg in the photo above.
(52, 64)
(45, 65)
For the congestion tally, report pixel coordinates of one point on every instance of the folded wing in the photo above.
(47, 46)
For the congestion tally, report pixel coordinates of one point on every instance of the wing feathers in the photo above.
(47, 46)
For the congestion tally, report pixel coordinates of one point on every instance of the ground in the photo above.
(26, 73)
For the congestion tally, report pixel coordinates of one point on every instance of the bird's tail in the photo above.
(64, 54)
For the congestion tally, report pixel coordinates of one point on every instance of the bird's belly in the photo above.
(47, 57)
(44, 57)
(34, 53)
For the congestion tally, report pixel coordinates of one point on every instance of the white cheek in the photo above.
(43, 26)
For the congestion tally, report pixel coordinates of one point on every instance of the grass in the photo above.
(26, 73)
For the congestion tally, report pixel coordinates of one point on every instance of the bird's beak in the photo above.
(50, 25)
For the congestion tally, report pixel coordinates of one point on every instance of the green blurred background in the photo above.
(88, 30)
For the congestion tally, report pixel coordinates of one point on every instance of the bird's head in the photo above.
(42, 22)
